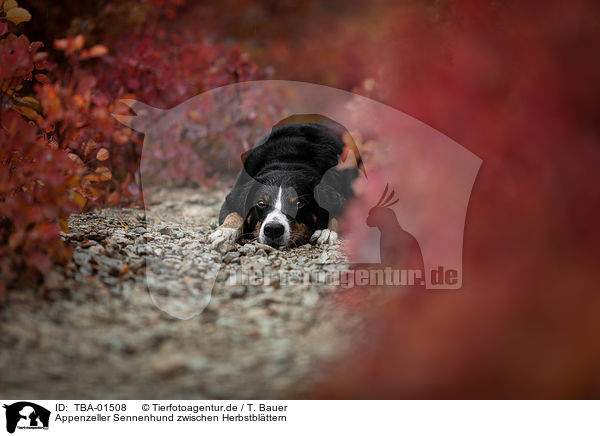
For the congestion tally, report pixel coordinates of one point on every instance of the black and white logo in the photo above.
(26, 415)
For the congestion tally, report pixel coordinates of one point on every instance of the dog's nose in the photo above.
(274, 230)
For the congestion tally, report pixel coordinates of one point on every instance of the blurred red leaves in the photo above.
(514, 83)
(36, 196)
(61, 148)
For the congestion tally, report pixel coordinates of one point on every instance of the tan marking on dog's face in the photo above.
(299, 233)
(233, 221)
(293, 200)
(314, 218)
(256, 230)
(266, 197)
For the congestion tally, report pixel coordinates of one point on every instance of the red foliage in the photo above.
(73, 154)
(515, 86)
(35, 195)
(37, 179)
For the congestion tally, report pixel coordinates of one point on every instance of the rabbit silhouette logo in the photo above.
(397, 247)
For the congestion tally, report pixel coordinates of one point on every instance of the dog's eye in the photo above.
(300, 204)
(261, 204)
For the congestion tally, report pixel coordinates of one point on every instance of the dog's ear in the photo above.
(239, 198)
(246, 195)
(244, 156)
(329, 199)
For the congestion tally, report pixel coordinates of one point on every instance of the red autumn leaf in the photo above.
(94, 52)
(42, 78)
(102, 154)
(113, 198)
(104, 174)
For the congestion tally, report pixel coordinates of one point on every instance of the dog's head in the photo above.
(282, 209)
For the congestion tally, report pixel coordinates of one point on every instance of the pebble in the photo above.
(310, 298)
(264, 247)
(231, 256)
(247, 249)
(226, 247)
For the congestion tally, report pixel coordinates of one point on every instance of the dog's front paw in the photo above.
(323, 237)
(223, 234)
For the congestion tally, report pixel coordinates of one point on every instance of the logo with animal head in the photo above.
(26, 415)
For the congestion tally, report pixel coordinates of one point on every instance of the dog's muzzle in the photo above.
(274, 234)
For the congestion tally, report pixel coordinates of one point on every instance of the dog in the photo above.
(290, 190)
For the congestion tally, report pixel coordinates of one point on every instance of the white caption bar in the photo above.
(300, 417)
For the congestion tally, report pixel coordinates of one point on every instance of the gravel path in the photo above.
(106, 329)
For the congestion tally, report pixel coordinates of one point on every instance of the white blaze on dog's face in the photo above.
(275, 229)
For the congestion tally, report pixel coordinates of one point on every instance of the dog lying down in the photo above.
(290, 190)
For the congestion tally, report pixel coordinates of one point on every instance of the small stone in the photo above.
(110, 281)
(142, 250)
(114, 342)
(94, 236)
(231, 256)
(226, 247)
(81, 257)
(76, 236)
(247, 249)
(54, 281)
(168, 366)
(165, 230)
(261, 252)
(310, 298)
(96, 250)
(113, 265)
(265, 247)
(324, 258)
(238, 292)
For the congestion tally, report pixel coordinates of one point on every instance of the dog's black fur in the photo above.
(295, 163)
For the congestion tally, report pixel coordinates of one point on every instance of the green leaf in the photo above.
(18, 15)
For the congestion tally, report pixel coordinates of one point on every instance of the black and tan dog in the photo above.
(290, 191)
